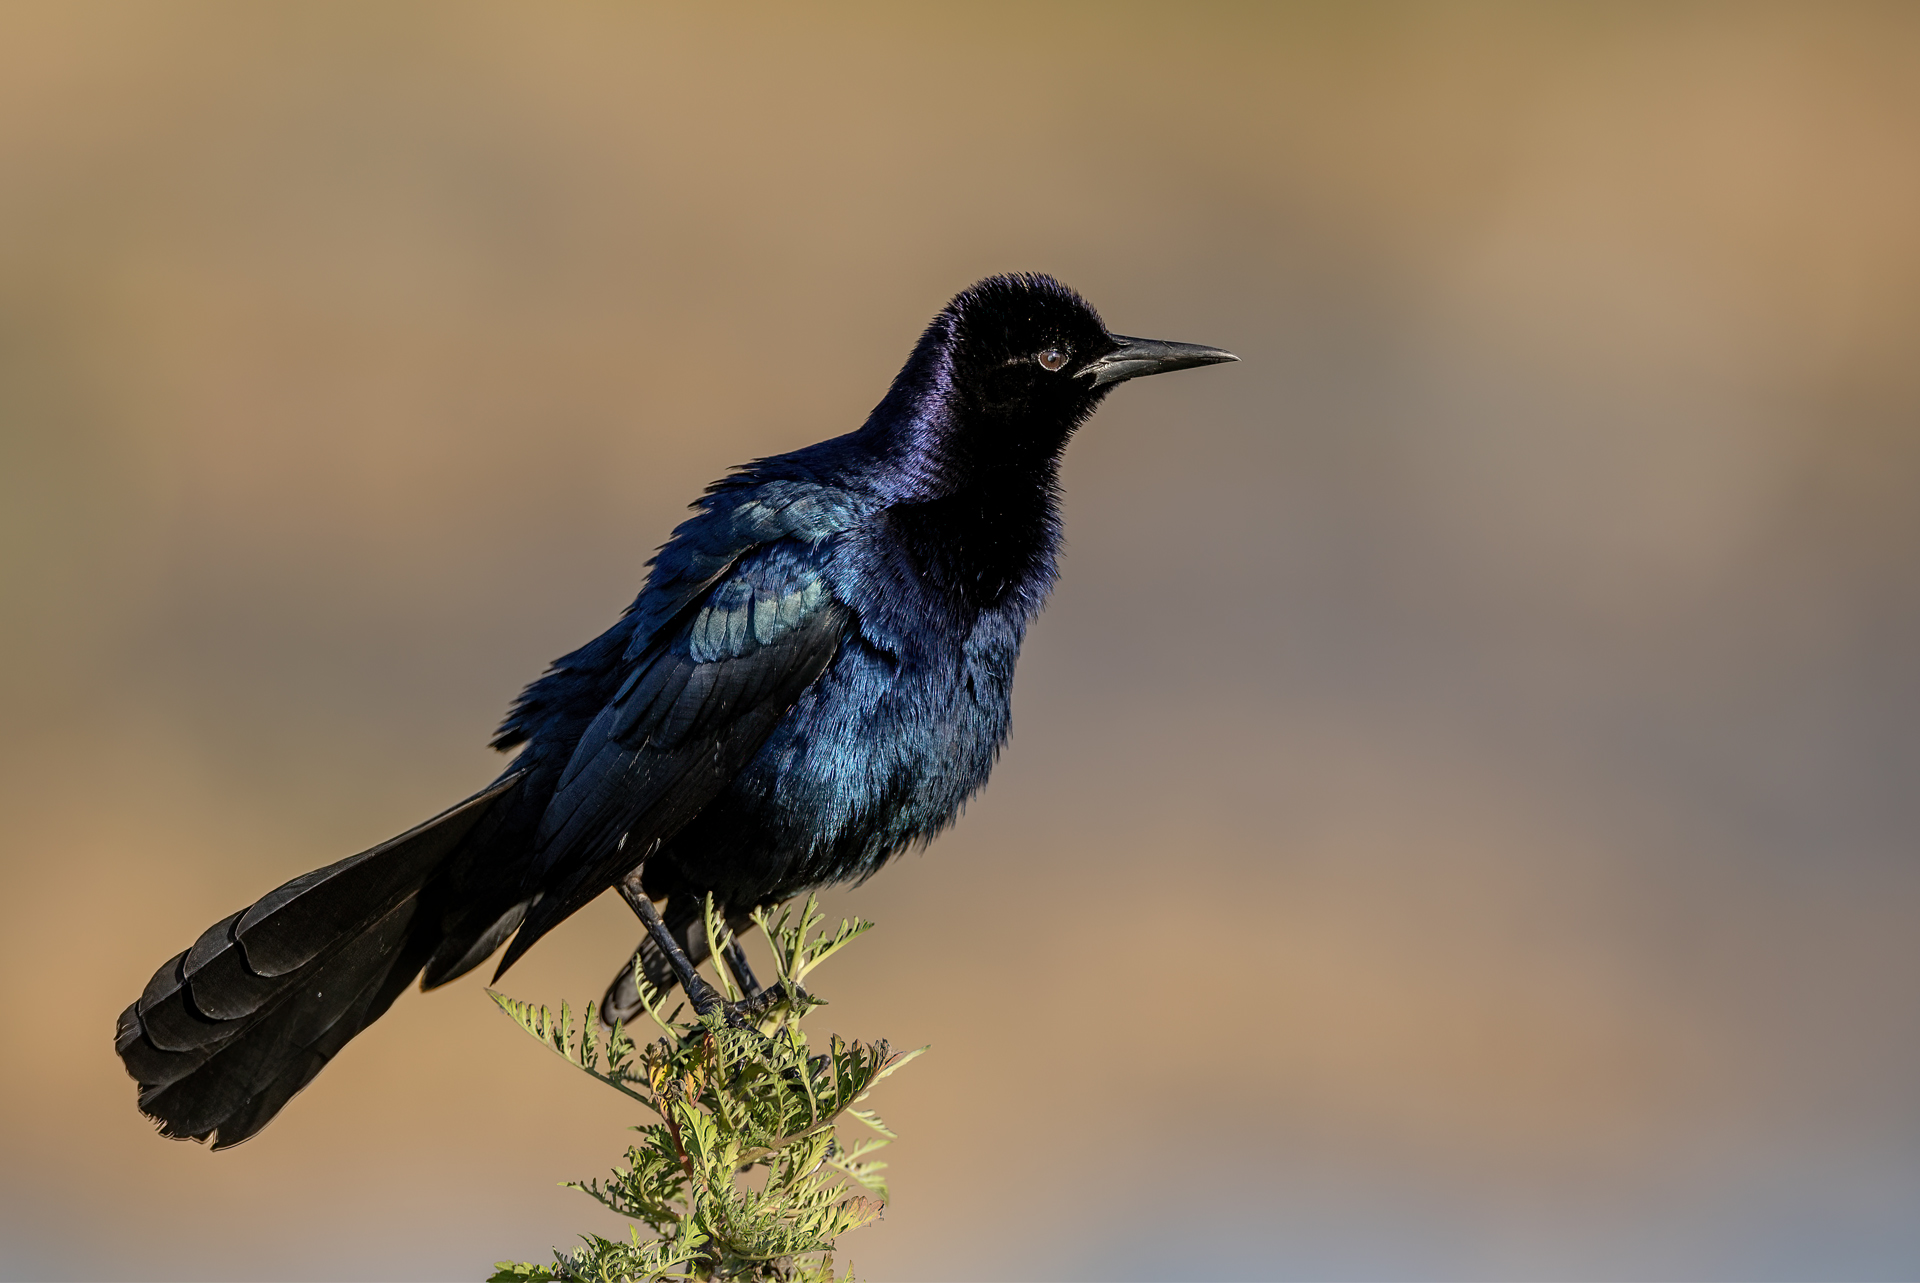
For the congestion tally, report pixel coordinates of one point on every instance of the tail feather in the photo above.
(150, 1066)
(228, 1031)
(466, 946)
(255, 1055)
(289, 926)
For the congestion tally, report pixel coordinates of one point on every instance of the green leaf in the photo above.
(724, 1101)
(520, 1272)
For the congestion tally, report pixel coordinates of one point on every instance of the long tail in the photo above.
(228, 1031)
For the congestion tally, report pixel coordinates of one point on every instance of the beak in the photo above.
(1137, 357)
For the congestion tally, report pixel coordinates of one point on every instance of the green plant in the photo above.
(744, 1175)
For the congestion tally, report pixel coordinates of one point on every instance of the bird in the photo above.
(815, 676)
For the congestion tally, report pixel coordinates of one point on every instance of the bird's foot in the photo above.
(754, 1011)
(622, 1004)
(757, 1006)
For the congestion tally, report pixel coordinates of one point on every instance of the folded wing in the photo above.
(697, 702)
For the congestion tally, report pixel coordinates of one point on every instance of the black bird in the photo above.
(815, 676)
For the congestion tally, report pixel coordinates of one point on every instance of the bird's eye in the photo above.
(1052, 359)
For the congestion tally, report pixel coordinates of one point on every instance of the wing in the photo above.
(736, 516)
(697, 702)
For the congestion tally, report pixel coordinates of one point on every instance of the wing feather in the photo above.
(698, 705)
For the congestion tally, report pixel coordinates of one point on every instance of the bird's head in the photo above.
(1027, 346)
(1013, 365)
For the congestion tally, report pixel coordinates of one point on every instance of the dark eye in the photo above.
(1052, 359)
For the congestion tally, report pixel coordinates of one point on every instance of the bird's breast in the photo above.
(880, 753)
(982, 550)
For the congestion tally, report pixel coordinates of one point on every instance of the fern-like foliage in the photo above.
(744, 1174)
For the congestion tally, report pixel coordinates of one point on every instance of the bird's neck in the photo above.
(988, 543)
(971, 490)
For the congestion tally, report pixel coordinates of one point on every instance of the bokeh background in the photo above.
(1461, 819)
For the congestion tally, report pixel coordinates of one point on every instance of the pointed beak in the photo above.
(1137, 357)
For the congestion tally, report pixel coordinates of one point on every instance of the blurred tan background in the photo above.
(1502, 686)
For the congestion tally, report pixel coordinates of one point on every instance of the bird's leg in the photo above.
(702, 995)
(622, 1001)
(742, 974)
